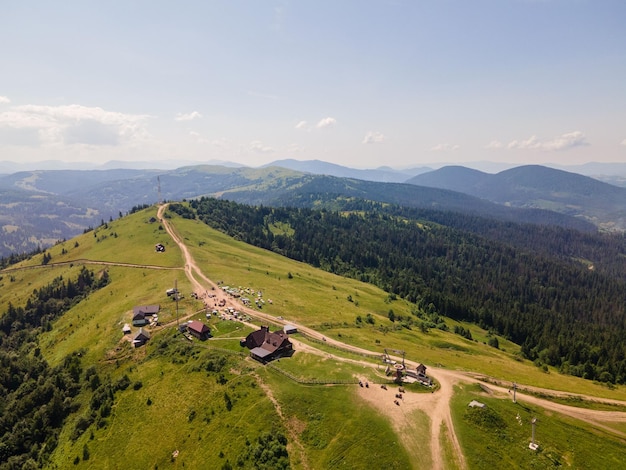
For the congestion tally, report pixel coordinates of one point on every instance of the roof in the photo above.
(287, 328)
(198, 327)
(260, 352)
(146, 309)
(142, 335)
(264, 340)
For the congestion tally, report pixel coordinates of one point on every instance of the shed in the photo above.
(126, 329)
(141, 338)
(290, 329)
(139, 319)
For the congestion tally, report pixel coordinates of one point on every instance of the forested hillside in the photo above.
(562, 312)
(36, 398)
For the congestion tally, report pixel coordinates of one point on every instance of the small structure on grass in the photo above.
(141, 312)
(290, 329)
(266, 346)
(476, 404)
(126, 329)
(141, 338)
(139, 319)
(147, 310)
(159, 247)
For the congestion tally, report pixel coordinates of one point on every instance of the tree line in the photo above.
(560, 311)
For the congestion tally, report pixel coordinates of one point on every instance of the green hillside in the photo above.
(175, 402)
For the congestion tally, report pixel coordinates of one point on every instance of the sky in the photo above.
(360, 83)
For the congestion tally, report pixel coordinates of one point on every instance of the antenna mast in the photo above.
(159, 189)
(176, 294)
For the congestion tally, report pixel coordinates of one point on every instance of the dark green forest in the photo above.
(36, 398)
(524, 282)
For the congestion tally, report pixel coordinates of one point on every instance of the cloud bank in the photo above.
(563, 142)
(188, 116)
(373, 137)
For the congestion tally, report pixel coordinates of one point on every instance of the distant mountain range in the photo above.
(534, 186)
(42, 206)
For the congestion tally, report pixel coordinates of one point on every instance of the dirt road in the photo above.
(436, 405)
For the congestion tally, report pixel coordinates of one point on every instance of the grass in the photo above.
(334, 427)
(498, 435)
(153, 422)
(319, 299)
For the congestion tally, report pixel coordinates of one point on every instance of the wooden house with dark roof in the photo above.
(139, 319)
(141, 338)
(266, 346)
(147, 309)
(198, 329)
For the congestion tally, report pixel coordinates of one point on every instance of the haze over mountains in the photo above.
(40, 207)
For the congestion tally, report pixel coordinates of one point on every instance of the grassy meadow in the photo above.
(215, 406)
(498, 436)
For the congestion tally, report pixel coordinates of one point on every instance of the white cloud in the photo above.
(295, 148)
(258, 147)
(624, 142)
(198, 137)
(301, 125)
(326, 123)
(530, 143)
(74, 124)
(188, 116)
(373, 137)
(4, 100)
(563, 142)
(445, 148)
(494, 144)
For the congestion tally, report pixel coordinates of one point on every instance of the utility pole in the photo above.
(176, 296)
(515, 392)
(159, 189)
(532, 444)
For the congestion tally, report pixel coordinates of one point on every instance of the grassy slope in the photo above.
(495, 437)
(336, 429)
(319, 299)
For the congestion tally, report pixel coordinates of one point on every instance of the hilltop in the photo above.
(45, 206)
(223, 409)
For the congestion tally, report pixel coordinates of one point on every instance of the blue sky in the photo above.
(359, 83)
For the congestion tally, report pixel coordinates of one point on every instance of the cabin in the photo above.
(266, 346)
(198, 329)
(147, 310)
(141, 338)
(139, 319)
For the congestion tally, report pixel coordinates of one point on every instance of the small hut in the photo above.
(141, 338)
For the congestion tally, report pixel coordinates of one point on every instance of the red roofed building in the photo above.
(198, 329)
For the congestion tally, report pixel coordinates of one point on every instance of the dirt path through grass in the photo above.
(435, 405)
